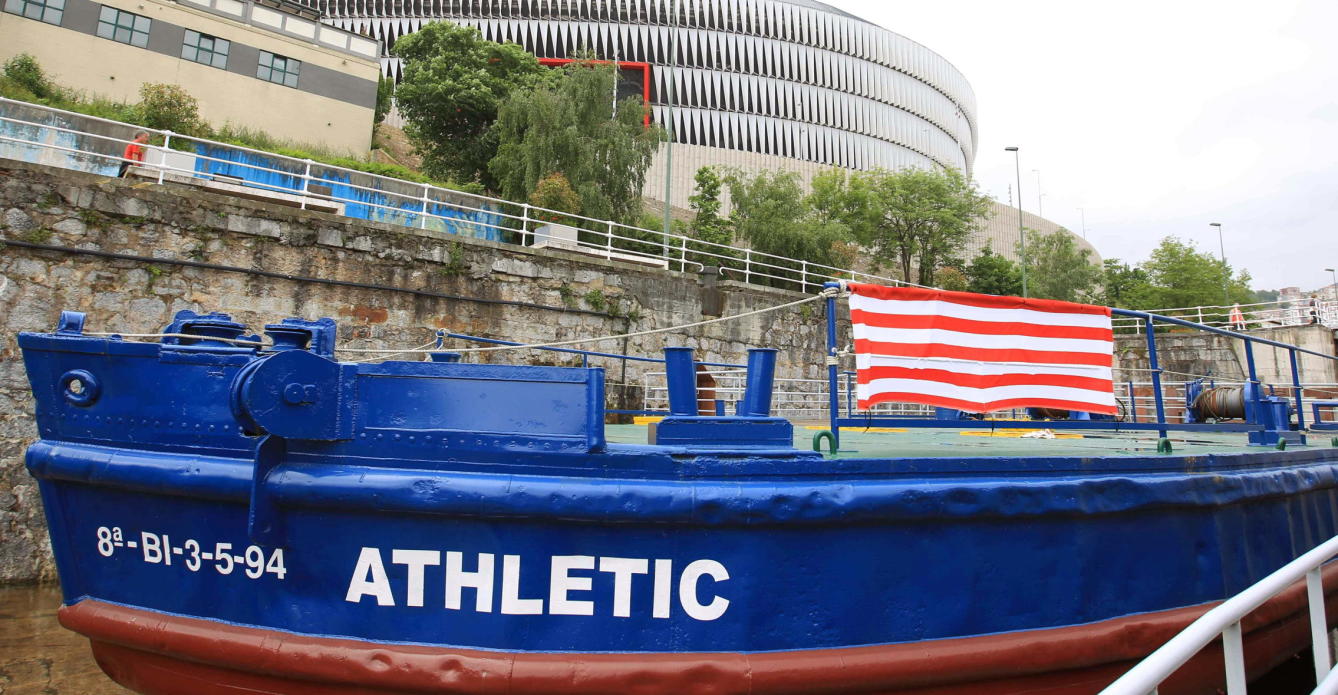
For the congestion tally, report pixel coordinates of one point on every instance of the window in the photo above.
(124, 27)
(203, 48)
(278, 69)
(49, 11)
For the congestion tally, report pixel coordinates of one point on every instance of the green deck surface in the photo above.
(975, 441)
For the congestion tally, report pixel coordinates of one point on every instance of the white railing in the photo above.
(407, 203)
(1283, 312)
(1224, 621)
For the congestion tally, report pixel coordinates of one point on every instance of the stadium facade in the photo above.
(774, 85)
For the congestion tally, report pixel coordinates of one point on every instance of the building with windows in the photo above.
(779, 85)
(269, 66)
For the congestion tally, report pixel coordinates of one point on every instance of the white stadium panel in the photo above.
(817, 84)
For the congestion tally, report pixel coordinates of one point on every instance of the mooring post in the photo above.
(1133, 402)
(1156, 376)
(681, 375)
(758, 387)
(833, 402)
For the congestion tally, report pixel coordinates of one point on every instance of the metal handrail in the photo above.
(1224, 621)
(669, 248)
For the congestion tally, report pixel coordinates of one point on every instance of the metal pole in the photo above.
(1083, 212)
(162, 154)
(1021, 232)
(1156, 377)
(422, 220)
(1226, 273)
(832, 403)
(1296, 389)
(1319, 632)
(524, 223)
(1233, 652)
(669, 116)
(306, 184)
(1133, 403)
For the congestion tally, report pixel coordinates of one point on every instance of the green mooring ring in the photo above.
(831, 441)
(1163, 446)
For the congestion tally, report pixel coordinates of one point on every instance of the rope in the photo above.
(191, 336)
(562, 343)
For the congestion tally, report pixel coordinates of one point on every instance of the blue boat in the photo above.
(231, 513)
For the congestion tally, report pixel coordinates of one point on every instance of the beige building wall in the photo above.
(99, 66)
(999, 231)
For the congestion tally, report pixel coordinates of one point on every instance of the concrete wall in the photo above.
(1199, 353)
(333, 104)
(208, 252)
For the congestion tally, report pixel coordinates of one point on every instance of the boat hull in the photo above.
(160, 654)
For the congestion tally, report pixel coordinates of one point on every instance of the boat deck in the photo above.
(981, 440)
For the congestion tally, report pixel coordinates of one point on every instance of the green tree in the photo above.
(385, 98)
(554, 192)
(915, 219)
(26, 72)
(1182, 276)
(573, 126)
(169, 107)
(1125, 286)
(454, 83)
(771, 213)
(707, 224)
(1058, 269)
(990, 273)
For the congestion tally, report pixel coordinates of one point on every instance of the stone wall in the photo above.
(131, 255)
(1200, 353)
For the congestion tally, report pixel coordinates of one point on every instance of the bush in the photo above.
(25, 71)
(554, 192)
(169, 107)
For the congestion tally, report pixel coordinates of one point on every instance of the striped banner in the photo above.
(979, 352)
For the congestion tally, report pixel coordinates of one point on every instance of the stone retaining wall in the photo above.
(387, 286)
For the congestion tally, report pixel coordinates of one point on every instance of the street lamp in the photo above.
(1335, 282)
(1226, 274)
(1021, 233)
(1083, 212)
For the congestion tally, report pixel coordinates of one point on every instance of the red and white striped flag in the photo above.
(979, 352)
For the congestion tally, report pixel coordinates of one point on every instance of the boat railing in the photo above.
(33, 132)
(1295, 311)
(1224, 622)
(1267, 417)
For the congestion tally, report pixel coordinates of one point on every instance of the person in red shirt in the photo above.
(134, 153)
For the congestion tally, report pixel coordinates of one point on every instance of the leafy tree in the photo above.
(707, 224)
(954, 279)
(573, 127)
(1124, 285)
(772, 214)
(1182, 276)
(453, 86)
(1058, 269)
(990, 273)
(1261, 296)
(916, 219)
(27, 73)
(554, 192)
(169, 107)
(385, 98)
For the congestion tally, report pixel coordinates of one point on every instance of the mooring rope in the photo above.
(578, 341)
(192, 336)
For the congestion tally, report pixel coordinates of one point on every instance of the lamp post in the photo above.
(1334, 287)
(1083, 212)
(1021, 233)
(669, 127)
(1226, 274)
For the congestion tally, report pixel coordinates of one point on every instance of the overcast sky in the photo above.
(1156, 118)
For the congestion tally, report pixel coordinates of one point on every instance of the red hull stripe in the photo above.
(971, 406)
(949, 323)
(163, 654)
(984, 301)
(957, 352)
(983, 381)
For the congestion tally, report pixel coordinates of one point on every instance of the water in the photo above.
(37, 655)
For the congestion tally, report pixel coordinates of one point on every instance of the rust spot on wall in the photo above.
(370, 314)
